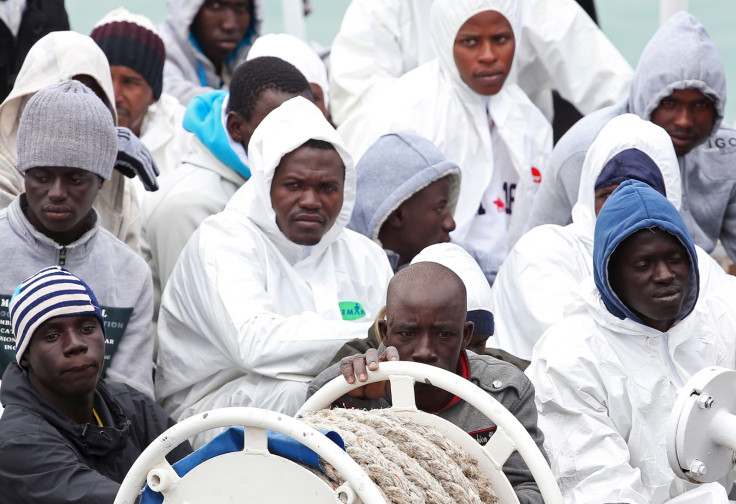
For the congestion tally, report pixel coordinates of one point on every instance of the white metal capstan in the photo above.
(701, 432)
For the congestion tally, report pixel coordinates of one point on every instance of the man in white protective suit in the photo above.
(607, 375)
(267, 291)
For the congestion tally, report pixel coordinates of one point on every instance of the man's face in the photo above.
(65, 356)
(306, 193)
(649, 271)
(687, 115)
(425, 219)
(483, 51)
(220, 25)
(427, 325)
(59, 200)
(133, 96)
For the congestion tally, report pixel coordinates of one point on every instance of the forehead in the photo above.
(648, 241)
(61, 171)
(486, 21)
(437, 189)
(311, 163)
(687, 95)
(425, 301)
(61, 322)
(124, 71)
(269, 99)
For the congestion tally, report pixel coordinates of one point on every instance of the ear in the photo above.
(101, 182)
(24, 359)
(396, 218)
(467, 333)
(383, 332)
(234, 124)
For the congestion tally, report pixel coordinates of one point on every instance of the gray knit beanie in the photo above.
(67, 125)
(393, 169)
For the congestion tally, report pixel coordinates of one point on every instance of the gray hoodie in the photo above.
(396, 167)
(187, 71)
(680, 55)
(119, 277)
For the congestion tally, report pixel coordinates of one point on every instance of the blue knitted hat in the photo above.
(52, 292)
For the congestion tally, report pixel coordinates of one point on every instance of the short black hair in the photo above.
(255, 76)
(318, 144)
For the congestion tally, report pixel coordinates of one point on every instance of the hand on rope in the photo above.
(355, 367)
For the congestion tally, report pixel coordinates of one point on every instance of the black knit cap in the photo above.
(131, 40)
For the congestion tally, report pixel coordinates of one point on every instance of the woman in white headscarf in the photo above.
(460, 101)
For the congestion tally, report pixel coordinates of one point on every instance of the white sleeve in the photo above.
(366, 55)
(531, 291)
(561, 44)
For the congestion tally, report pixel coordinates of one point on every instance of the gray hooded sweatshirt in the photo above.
(396, 167)
(680, 55)
(187, 71)
(118, 276)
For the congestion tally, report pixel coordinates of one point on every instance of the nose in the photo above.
(74, 343)
(309, 199)
(683, 118)
(663, 272)
(424, 350)
(448, 223)
(228, 21)
(57, 191)
(487, 52)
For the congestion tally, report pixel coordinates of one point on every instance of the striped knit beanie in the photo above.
(131, 40)
(52, 292)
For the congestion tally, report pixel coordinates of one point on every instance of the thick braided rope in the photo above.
(409, 462)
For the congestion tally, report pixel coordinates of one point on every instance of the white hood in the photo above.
(458, 260)
(56, 57)
(447, 18)
(623, 132)
(282, 131)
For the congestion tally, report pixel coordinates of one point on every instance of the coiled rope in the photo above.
(408, 461)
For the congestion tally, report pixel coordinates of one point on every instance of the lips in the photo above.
(309, 219)
(89, 366)
(228, 45)
(490, 77)
(667, 294)
(680, 140)
(57, 212)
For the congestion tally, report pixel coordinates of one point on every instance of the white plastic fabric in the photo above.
(604, 390)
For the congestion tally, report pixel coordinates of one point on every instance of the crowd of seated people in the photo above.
(197, 215)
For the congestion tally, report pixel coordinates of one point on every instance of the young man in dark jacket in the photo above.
(67, 435)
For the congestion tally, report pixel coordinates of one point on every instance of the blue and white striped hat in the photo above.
(52, 292)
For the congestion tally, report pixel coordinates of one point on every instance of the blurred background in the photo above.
(628, 23)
